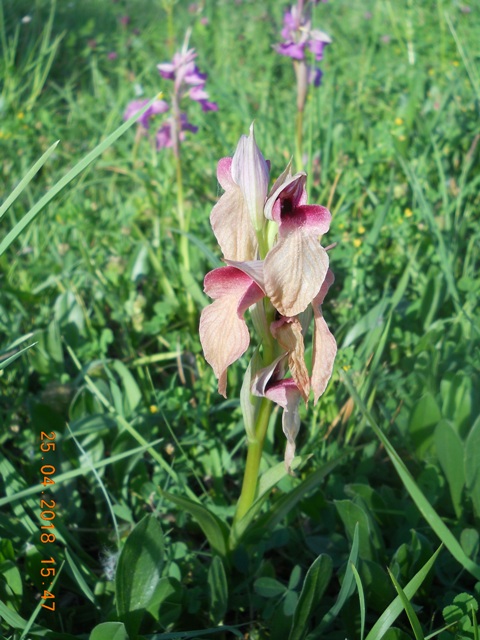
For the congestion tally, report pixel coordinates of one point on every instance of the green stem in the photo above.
(183, 221)
(299, 140)
(254, 456)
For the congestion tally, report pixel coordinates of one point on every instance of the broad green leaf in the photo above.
(165, 605)
(463, 605)
(132, 395)
(472, 465)
(295, 577)
(425, 416)
(470, 541)
(139, 572)
(353, 517)
(218, 584)
(450, 453)
(214, 529)
(377, 584)
(412, 616)
(316, 581)
(458, 392)
(109, 631)
(269, 587)
(11, 617)
(425, 508)
(395, 608)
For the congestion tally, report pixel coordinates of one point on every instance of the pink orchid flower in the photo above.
(277, 267)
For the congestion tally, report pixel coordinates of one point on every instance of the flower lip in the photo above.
(287, 193)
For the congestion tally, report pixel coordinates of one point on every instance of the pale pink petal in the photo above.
(224, 173)
(230, 219)
(327, 283)
(288, 333)
(294, 271)
(288, 194)
(253, 268)
(251, 172)
(282, 178)
(287, 395)
(223, 331)
(262, 378)
(224, 337)
(324, 344)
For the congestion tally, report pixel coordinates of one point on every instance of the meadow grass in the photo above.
(149, 458)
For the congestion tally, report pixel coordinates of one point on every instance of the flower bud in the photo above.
(251, 173)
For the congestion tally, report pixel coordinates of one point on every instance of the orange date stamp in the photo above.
(47, 515)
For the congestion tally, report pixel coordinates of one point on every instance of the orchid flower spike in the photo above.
(277, 267)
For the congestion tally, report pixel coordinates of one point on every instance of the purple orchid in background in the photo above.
(188, 82)
(159, 106)
(298, 38)
(277, 267)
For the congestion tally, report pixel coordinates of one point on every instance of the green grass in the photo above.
(149, 458)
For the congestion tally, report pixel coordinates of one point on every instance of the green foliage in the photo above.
(97, 341)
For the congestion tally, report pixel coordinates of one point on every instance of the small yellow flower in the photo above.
(456, 63)
(341, 225)
(398, 121)
(153, 408)
(431, 72)
(357, 242)
(408, 213)
(402, 138)
(361, 229)
(346, 367)
(20, 115)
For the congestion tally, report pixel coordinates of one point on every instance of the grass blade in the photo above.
(395, 608)
(361, 598)
(412, 616)
(71, 175)
(34, 169)
(423, 505)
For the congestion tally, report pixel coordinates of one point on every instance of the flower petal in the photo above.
(230, 219)
(324, 344)
(287, 395)
(294, 271)
(274, 371)
(253, 268)
(250, 171)
(287, 193)
(288, 333)
(223, 331)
